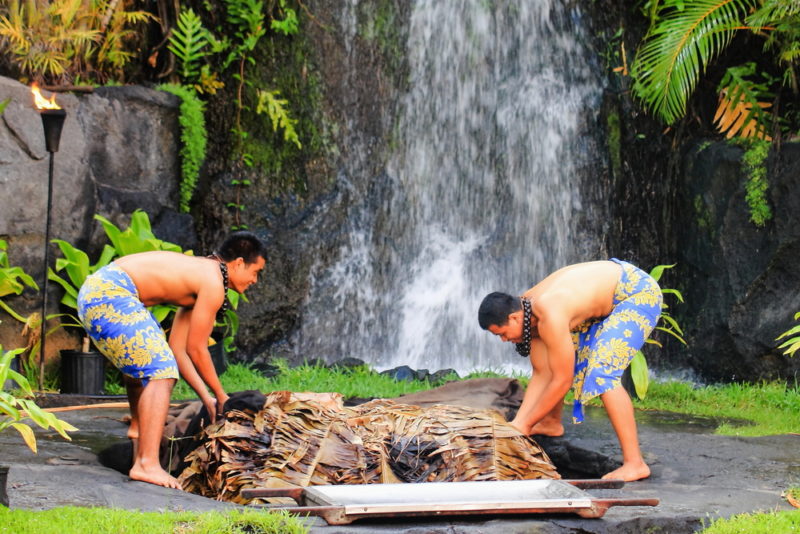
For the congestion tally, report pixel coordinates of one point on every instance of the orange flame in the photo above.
(41, 102)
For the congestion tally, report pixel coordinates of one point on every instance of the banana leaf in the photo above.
(306, 439)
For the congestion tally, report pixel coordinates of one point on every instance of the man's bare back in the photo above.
(582, 291)
(163, 277)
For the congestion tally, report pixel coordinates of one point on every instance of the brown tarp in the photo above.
(501, 394)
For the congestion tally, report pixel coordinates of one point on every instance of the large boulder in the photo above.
(740, 281)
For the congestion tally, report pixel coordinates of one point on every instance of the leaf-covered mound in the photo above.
(303, 439)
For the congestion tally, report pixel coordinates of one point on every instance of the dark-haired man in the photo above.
(580, 327)
(112, 307)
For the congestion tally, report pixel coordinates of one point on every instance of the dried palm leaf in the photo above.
(303, 439)
(739, 118)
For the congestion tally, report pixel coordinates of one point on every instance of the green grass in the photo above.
(74, 520)
(757, 523)
(351, 382)
(766, 407)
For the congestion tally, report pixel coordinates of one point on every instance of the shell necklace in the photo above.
(524, 348)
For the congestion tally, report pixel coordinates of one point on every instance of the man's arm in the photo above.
(540, 377)
(556, 344)
(189, 339)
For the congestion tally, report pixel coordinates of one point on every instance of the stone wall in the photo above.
(118, 152)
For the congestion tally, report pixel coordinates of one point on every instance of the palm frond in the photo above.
(773, 12)
(742, 111)
(678, 48)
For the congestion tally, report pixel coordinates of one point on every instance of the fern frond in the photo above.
(742, 110)
(269, 103)
(678, 48)
(187, 41)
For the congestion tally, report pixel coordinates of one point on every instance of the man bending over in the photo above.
(112, 307)
(580, 327)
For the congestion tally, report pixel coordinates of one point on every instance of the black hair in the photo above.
(495, 309)
(243, 245)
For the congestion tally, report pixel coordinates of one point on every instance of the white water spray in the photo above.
(479, 192)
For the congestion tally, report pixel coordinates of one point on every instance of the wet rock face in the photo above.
(740, 281)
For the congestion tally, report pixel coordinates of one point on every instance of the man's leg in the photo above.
(619, 407)
(152, 413)
(133, 387)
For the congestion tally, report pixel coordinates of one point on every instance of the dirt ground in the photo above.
(696, 475)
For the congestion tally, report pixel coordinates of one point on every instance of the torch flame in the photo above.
(41, 102)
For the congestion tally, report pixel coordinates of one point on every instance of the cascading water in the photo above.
(479, 194)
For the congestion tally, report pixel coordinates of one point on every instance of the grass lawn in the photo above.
(74, 520)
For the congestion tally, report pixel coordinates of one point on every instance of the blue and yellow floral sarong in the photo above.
(122, 328)
(605, 347)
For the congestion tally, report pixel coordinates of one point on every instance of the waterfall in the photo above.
(479, 194)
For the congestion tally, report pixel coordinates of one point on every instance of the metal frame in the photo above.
(343, 504)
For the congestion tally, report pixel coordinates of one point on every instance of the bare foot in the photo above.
(629, 472)
(155, 476)
(548, 428)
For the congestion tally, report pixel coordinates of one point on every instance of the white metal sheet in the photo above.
(449, 496)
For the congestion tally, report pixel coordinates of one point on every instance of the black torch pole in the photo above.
(52, 121)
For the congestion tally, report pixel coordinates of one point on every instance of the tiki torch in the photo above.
(52, 121)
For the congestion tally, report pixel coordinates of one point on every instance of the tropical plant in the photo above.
(275, 108)
(193, 139)
(753, 164)
(138, 237)
(230, 322)
(740, 111)
(14, 409)
(188, 41)
(61, 40)
(13, 281)
(194, 46)
(792, 344)
(685, 36)
(666, 323)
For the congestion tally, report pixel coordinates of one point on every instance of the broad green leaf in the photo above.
(639, 374)
(672, 292)
(658, 270)
(789, 332)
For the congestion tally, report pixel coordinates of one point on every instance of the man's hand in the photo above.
(211, 407)
(221, 400)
